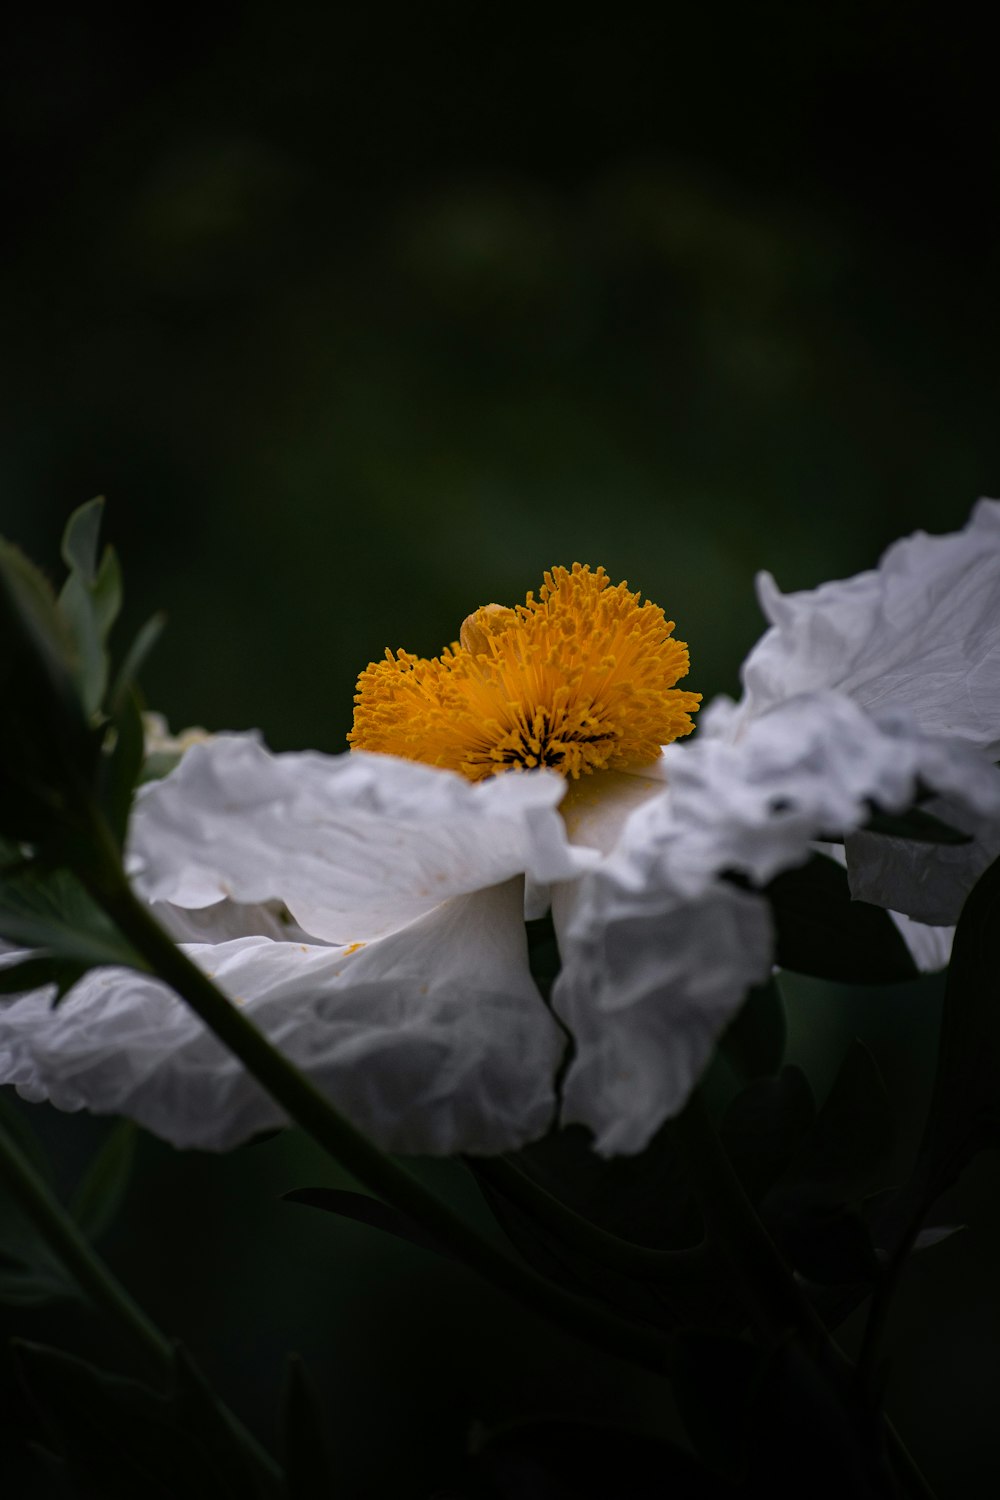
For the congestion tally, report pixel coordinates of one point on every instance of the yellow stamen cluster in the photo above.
(580, 679)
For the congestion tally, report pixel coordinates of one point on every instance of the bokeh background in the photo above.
(361, 317)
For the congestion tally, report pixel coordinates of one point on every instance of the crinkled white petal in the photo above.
(930, 947)
(659, 949)
(355, 845)
(228, 919)
(929, 882)
(433, 1040)
(921, 632)
(650, 979)
(813, 766)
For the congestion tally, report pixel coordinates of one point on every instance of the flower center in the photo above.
(580, 679)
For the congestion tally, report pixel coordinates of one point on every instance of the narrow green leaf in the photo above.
(238, 1466)
(122, 765)
(848, 1153)
(308, 1464)
(107, 592)
(765, 1126)
(79, 542)
(135, 657)
(99, 1196)
(51, 911)
(25, 1285)
(964, 1116)
(366, 1210)
(14, 1120)
(754, 1042)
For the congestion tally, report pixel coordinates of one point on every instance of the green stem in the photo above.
(775, 1305)
(669, 1266)
(311, 1110)
(62, 1234)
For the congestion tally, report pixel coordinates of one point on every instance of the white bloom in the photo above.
(870, 691)
(423, 1025)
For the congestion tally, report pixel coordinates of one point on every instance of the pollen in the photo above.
(580, 679)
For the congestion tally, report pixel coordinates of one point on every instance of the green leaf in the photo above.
(849, 1151)
(543, 954)
(765, 1126)
(644, 1200)
(47, 750)
(23, 1284)
(821, 931)
(79, 542)
(51, 911)
(713, 1383)
(90, 600)
(367, 1210)
(99, 1196)
(964, 1116)
(829, 1247)
(121, 1440)
(35, 973)
(754, 1042)
(232, 1457)
(14, 1120)
(308, 1464)
(135, 657)
(121, 765)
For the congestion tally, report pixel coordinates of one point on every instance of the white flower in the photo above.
(422, 1024)
(367, 910)
(870, 691)
(917, 639)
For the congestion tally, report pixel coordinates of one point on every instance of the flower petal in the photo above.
(659, 949)
(918, 633)
(355, 845)
(650, 978)
(435, 1040)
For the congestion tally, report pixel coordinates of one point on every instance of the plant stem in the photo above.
(63, 1236)
(774, 1303)
(669, 1266)
(311, 1110)
(61, 1233)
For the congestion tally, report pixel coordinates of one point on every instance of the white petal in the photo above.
(435, 1040)
(650, 978)
(928, 882)
(919, 633)
(930, 947)
(813, 766)
(659, 949)
(228, 919)
(355, 845)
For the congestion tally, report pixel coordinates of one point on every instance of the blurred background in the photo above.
(361, 317)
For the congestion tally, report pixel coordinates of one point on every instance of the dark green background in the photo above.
(361, 318)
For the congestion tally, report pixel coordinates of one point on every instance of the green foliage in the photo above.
(754, 1041)
(99, 1196)
(49, 912)
(364, 1209)
(308, 1462)
(576, 1461)
(119, 1439)
(90, 601)
(821, 931)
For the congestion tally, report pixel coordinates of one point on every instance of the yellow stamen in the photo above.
(580, 679)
